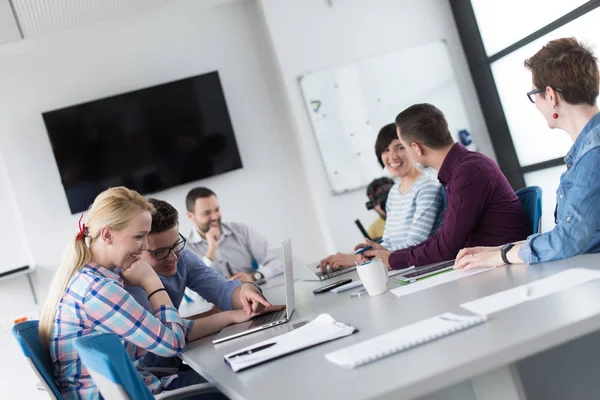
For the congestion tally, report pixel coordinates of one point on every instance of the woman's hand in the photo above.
(339, 260)
(140, 273)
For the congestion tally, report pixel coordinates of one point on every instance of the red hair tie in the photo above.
(82, 230)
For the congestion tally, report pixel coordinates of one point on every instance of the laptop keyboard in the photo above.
(335, 273)
(267, 318)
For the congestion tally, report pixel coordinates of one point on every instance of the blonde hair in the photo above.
(112, 208)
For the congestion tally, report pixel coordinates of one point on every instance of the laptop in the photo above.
(274, 318)
(309, 271)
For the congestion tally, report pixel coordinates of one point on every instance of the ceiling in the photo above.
(42, 17)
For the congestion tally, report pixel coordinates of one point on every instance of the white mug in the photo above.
(374, 276)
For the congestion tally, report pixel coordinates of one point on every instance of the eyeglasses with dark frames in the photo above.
(531, 94)
(164, 253)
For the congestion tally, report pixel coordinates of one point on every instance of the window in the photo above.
(503, 23)
(534, 141)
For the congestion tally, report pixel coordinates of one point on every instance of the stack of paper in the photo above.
(322, 329)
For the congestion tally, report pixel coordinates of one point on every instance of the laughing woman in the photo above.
(414, 205)
(87, 296)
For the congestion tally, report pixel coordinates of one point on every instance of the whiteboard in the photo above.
(348, 105)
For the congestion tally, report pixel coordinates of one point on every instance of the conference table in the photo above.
(482, 362)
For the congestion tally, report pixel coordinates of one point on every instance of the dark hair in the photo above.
(378, 190)
(568, 65)
(424, 124)
(165, 217)
(386, 135)
(197, 193)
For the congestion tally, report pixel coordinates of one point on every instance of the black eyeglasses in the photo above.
(533, 92)
(164, 253)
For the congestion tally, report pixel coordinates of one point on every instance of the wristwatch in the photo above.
(258, 276)
(505, 249)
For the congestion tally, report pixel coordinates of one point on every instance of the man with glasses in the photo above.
(178, 269)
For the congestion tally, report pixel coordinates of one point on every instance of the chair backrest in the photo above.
(110, 367)
(531, 200)
(27, 335)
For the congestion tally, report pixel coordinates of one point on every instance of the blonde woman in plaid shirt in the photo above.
(87, 296)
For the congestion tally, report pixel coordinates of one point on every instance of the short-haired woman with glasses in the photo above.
(566, 82)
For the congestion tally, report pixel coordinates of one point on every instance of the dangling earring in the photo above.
(555, 115)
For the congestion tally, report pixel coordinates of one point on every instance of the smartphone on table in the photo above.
(333, 285)
(426, 271)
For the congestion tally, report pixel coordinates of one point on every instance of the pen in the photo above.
(367, 248)
(229, 270)
(253, 350)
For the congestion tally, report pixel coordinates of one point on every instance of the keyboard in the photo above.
(267, 318)
(323, 276)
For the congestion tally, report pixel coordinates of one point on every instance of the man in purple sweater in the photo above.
(481, 207)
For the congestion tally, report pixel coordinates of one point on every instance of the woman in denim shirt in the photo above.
(565, 88)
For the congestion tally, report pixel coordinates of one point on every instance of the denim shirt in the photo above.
(577, 229)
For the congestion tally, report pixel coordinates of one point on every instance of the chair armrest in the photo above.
(185, 392)
(160, 372)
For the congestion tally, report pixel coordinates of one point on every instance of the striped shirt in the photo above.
(96, 302)
(414, 216)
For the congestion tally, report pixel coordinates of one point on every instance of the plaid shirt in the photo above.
(96, 302)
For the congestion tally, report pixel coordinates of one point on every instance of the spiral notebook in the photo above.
(402, 339)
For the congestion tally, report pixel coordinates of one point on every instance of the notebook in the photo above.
(320, 330)
(402, 339)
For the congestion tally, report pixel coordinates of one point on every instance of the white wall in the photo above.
(308, 35)
(260, 48)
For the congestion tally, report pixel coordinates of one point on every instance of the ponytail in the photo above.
(76, 255)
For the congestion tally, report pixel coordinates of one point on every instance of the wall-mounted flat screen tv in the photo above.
(148, 140)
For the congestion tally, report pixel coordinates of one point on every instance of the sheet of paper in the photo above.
(436, 280)
(322, 329)
(511, 297)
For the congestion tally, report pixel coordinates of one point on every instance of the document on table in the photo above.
(427, 283)
(322, 329)
(511, 297)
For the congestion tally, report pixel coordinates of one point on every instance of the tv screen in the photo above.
(148, 140)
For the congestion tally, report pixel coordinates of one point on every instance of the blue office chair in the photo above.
(27, 335)
(531, 200)
(110, 367)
